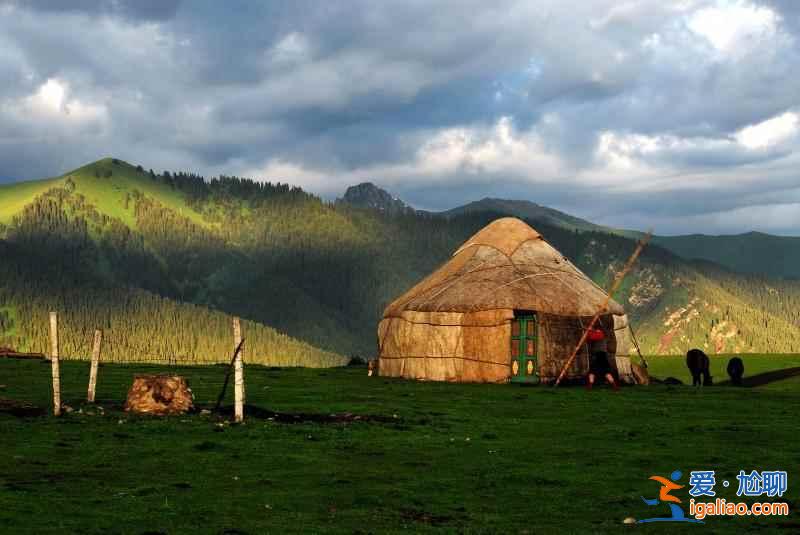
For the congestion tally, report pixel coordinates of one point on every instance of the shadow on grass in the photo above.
(766, 378)
(254, 411)
(20, 409)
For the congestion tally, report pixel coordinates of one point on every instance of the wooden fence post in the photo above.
(54, 364)
(98, 339)
(238, 373)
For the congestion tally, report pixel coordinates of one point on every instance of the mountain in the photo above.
(84, 244)
(163, 260)
(753, 252)
(368, 195)
(744, 253)
(526, 210)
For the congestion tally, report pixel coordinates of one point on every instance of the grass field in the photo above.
(437, 457)
(107, 194)
(14, 197)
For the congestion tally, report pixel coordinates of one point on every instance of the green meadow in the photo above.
(15, 196)
(334, 450)
(104, 184)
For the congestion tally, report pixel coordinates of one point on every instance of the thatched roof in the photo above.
(506, 265)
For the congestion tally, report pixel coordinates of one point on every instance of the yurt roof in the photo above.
(506, 265)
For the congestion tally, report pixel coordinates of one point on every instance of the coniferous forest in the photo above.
(161, 261)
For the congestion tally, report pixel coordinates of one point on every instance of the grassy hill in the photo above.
(76, 244)
(107, 182)
(138, 326)
(322, 273)
(16, 196)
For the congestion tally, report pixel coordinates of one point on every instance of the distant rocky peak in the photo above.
(368, 195)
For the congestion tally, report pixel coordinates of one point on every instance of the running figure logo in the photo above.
(667, 486)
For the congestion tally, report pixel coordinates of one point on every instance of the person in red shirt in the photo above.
(598, 360)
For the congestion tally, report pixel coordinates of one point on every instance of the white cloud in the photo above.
(654, 162)
(729, 25)
(292, 49)
(642, 155)
(279, 170)
(50, 96)
(499, 148)
(52, 103)
(622, 161)
(466, 152)
(770, 132)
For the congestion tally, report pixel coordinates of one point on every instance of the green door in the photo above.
(524, 334)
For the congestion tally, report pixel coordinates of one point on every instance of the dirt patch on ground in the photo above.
(252, 411)
(20, 409)
(424, 517)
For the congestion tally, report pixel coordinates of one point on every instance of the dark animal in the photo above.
(697, 362)
(736, 370)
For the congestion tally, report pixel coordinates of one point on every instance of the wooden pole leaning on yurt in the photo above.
(604, 307)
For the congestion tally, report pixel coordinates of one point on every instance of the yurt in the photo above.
(507, 306)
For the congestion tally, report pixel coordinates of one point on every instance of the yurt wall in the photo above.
(446, 346)
(559, 336)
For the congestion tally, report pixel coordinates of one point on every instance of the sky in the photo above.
(681, 116)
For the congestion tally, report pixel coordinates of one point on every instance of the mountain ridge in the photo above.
(740, 252)
(524, 210)
(323, 272)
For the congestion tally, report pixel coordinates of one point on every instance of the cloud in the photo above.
(51, 102)
(730, 26)
(770, 132)
(627, 112)
(133, 9)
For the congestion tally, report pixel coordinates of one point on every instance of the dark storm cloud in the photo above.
(641, 103)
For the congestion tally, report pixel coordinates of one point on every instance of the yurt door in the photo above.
(524, 334)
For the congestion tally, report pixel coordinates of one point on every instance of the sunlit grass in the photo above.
(15, 196)
(107, 194)
(675, 366)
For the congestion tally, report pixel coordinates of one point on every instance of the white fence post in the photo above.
(54, 363)
(238, 372)
(98, 339)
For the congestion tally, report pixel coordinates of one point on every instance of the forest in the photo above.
(164, 259)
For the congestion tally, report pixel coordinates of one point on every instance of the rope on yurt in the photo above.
(447, 284)
(529, 276)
